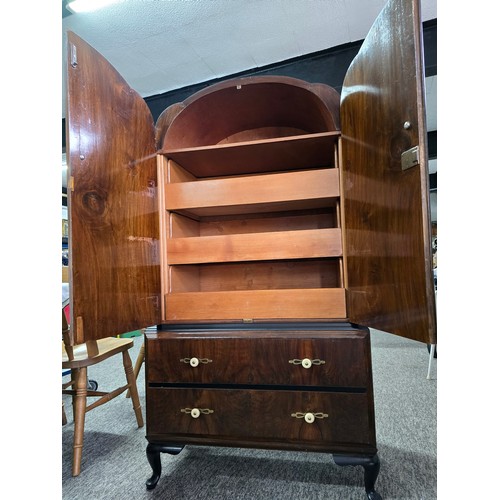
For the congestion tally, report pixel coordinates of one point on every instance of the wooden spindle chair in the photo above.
(78, 358)
(139, 361)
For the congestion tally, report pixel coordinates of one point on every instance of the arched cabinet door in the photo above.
(112, 200)
(385, 179)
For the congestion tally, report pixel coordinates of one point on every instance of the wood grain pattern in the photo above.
(165, 230)
(182, 227)
(307, 244)
(105, 348)
(260, 415)
(257, 193)
(262, 223)
(114, 232)
(246, 358)
(175, 173)
(327, 303)
(269, 275)
(243, 105)
(268, 155)
(386, 226)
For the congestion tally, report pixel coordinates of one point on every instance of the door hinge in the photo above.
(73, 57)
(410, 158)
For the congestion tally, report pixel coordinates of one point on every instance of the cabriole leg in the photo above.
(153, 453)
(372, 468)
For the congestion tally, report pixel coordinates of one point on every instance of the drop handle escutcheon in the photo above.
(306, 362)
(309, 417)
(196, 412)
(194, 362)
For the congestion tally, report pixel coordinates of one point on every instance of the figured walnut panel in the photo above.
(261, 416)
(112, 200)
(249, 358)
(385, 208)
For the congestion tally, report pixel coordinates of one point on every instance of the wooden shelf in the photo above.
(317, 303)
(255, 194)
(268, 155)
(256, 275)
(304, 244)
(266, 265)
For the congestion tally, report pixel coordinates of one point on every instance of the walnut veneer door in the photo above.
(385, 206)
(112, 191)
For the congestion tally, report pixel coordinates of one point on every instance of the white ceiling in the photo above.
(162, 45)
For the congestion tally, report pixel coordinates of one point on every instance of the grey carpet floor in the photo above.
(114, 464)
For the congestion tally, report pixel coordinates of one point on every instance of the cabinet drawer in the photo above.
(342, 420)
(290, 359)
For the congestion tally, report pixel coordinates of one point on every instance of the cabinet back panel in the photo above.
(287, 222)
(233, 107)
(258, 134)
(182, 226)
(184, 278)
(175, 173)
(270, 275)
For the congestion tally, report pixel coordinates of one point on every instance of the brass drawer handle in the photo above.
(194, 362)
(196, 412)
(306, 362)
(309, 417)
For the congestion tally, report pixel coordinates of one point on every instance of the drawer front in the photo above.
(338, 419)
(336, 360)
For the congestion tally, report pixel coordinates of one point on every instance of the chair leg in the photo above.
(79, 408)
(73, 386)
(129, 373)
(137, 366)
(64, 419)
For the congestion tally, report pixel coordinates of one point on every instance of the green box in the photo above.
(135, 333)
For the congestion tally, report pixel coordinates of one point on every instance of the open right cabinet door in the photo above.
(385, 180)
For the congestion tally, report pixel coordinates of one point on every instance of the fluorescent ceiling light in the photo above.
(78, 6)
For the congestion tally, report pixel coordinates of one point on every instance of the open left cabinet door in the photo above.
(112, 200)
(385, 180)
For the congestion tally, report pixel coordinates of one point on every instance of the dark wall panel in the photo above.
(430, 47)
(432, 144)
(328, 66)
